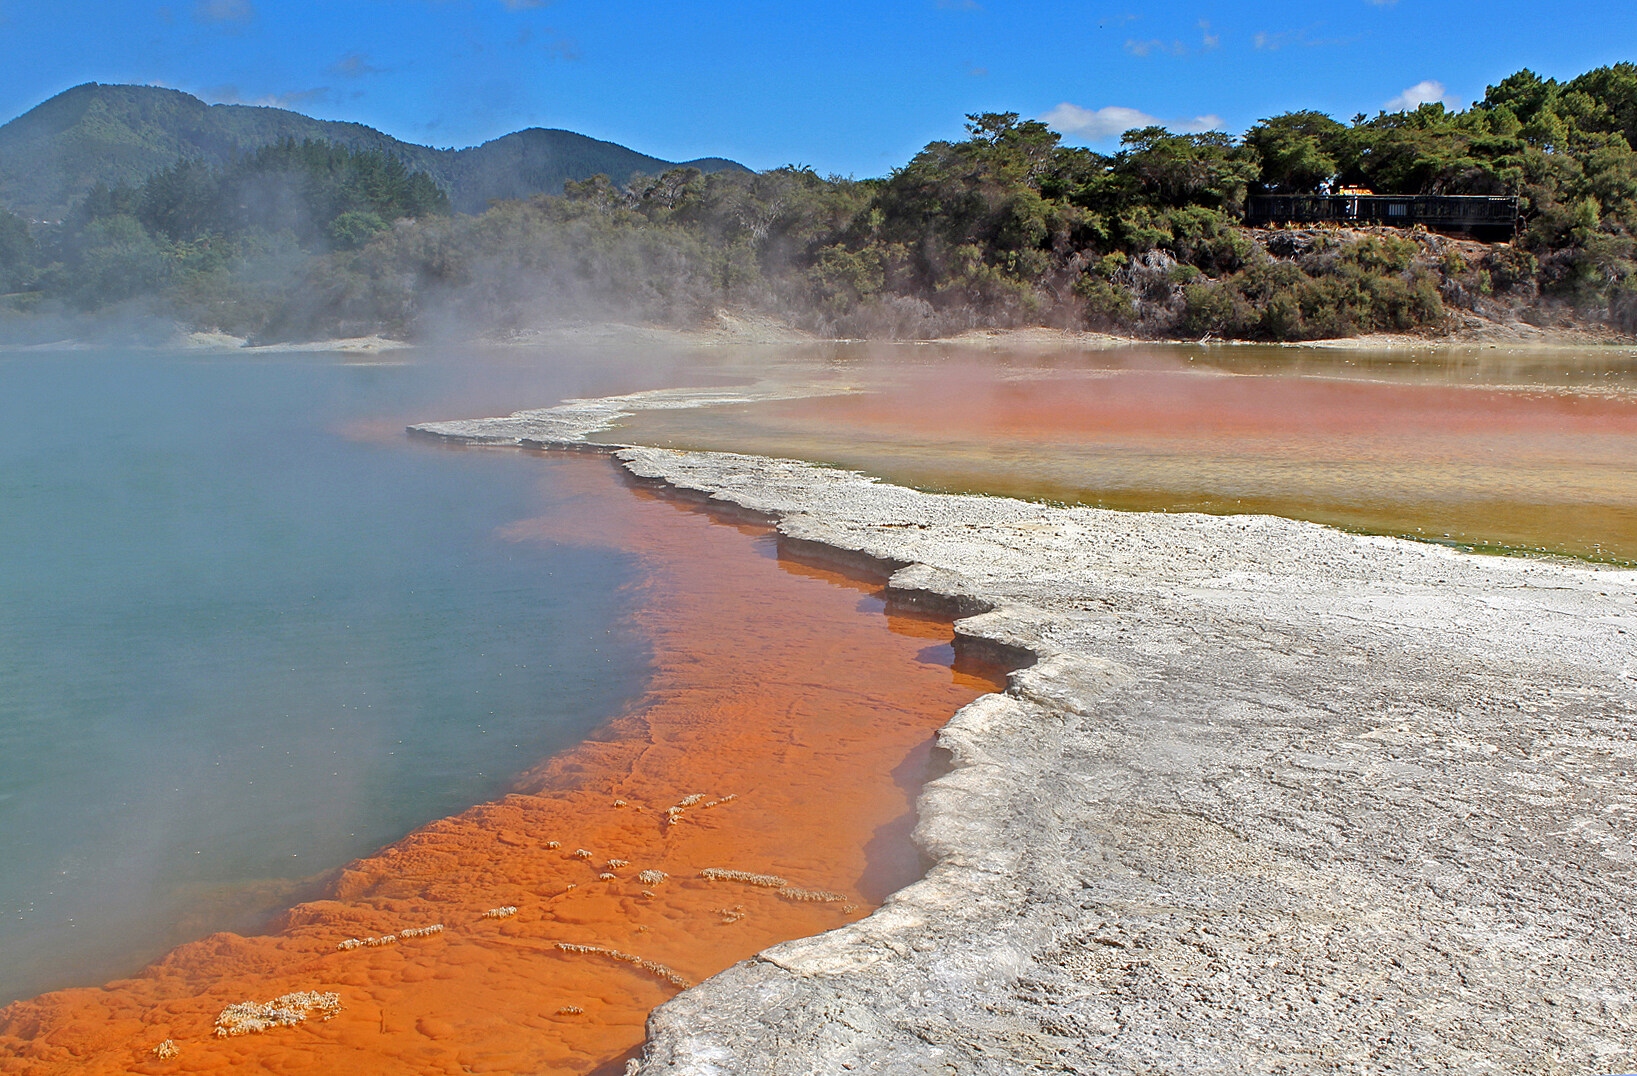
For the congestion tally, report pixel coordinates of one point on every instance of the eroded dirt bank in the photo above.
(1274, 798)
(786, 731)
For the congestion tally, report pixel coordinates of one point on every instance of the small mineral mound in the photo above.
(288, 1010)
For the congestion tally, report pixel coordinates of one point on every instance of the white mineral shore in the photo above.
(1273, 798)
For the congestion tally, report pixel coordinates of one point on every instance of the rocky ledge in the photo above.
(1271, 798)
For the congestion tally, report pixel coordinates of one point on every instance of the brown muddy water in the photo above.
(1499, 450)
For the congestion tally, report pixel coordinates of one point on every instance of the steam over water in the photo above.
(1492, 448)
(248, 631)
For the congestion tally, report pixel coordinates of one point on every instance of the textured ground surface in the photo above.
(1274, 798)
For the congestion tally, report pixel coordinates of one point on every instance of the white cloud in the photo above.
(1152, 45)
(1143, 48)
(1426, 92)
(1302, 38)
(549, 41)
(229, 95)
(354, 65)
(1111, 121)
(224, 10)
(1096, 124)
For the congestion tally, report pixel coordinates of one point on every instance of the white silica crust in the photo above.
(571, 422)
(1273, 798)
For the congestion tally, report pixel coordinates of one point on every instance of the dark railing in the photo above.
(1477, 215)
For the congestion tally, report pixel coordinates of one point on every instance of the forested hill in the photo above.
(1006, 227)
(540, 161)
(53, 155)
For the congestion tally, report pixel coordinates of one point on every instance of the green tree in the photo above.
(1208, 169)
(182, 202)
(119, 261)
(1295, 151)
(1614, 89)
(355, 227)
(19, 254)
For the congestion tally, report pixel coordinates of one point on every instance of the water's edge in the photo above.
(1204, 695)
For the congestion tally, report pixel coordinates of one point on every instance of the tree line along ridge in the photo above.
(1006, 227)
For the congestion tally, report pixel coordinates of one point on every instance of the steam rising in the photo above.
(239, 650)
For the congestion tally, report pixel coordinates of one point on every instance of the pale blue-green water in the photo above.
(242, 642)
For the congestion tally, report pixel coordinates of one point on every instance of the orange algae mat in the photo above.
(783, 737)
(1531, 469)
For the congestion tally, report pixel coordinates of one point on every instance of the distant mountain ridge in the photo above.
(53, 154)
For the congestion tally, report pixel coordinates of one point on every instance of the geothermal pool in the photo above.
(248, 632)
(1510, 450)
(310, 635)
(244, 637)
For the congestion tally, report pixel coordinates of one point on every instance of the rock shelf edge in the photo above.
(1270, 798)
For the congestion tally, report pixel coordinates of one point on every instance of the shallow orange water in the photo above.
(785, 696)
(1536, 468)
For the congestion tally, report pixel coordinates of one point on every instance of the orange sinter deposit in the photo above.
(761, 790)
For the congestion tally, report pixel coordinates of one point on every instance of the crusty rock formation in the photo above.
(1273, 798)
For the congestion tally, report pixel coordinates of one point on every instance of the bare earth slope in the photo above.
(1274, 798)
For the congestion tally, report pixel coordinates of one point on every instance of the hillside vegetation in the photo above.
(1007, 227)
(54, 154)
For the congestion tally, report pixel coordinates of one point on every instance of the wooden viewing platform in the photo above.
(1480, 216)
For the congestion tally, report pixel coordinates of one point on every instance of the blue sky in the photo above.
(845, 87)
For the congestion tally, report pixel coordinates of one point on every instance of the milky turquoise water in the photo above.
(248, 632)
